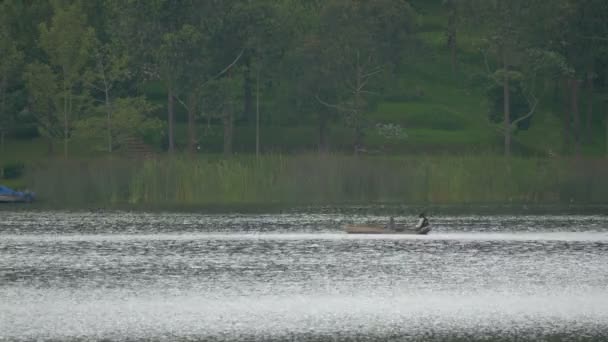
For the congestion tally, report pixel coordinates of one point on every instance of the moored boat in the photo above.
(8, 195)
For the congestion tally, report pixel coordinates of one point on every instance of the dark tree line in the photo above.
(75, 67)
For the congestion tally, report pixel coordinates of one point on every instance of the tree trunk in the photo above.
(451, 35)
(228, 130)
(358, 140)
(566, 120)
(65, 125)
(574, 84)
(228, 119)
(50, 147)
(50, 143)
(589, 133)
(109, 119)
(606, 137)
(192, 123)
(507, 108)
(257, 115)
(170, 118)
(323, 145)
(357, 132)
(3, 86)
(247, 93)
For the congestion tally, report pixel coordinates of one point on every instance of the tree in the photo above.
(358, 41)
(261, 29)
(67, 42)
(583, 22)
(452, 7)
(111, 66)
(131, 118)
(143, 27)
(527, 85)
(509, 30)
(303, 72)
(184, 65)
(44, 101)
(10, 64)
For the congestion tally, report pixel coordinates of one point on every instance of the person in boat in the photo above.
(423, 222)
(391, 224)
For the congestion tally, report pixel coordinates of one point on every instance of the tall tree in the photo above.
(264, 33)
(67, 41)
(110, 67)
(10, 65)
(452, 8)
(358, 41)
(183, 64)
(146, 27)
(509, 30)
(45, 104)
(585, 22)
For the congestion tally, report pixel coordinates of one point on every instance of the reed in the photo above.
(318, 179)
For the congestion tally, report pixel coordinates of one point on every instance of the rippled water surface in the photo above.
(297, 276)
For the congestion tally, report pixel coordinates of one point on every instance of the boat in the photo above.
(376, 229)
(422, 228)
(8, 195)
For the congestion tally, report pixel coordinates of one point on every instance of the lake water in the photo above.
(297, 276)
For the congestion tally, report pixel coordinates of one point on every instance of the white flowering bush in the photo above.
(391, 131)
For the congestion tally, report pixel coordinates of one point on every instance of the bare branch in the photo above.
(362, 85)
(350, 85)
(485, 61)
(225, 69)
(530, 113)
(369, 92)
(338, 107)
(231, 64)
(181, 102)
(603, 39)
(372, 73)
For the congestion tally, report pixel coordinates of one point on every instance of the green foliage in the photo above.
(10, 65)
(333, 64)
(130, 118)
(519, 104)
(43, 88)
(12, 170)
(67, 42)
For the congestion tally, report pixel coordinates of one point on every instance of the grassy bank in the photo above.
(317, 180)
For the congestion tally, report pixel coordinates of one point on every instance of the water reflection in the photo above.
(297, 276)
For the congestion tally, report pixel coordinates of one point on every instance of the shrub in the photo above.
(12, 170)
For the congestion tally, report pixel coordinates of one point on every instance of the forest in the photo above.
(81, 81)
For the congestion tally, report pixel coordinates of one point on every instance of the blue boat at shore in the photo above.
(8, 195)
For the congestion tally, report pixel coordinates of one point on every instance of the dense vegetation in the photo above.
(319, 179)
(87, 80)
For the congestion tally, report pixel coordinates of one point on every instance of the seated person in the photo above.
(391, 224)
(422, 223)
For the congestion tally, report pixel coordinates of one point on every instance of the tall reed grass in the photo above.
(318, 179)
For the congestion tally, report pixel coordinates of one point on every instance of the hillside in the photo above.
(437, 109)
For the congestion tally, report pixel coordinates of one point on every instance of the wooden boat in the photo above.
(372, 229)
